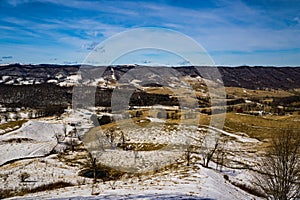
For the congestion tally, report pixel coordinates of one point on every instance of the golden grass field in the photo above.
(242, 92)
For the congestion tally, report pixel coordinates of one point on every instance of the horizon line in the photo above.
(115, 65)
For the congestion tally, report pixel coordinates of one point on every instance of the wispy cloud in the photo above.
(221, 26)
(90, 46)
(74, 32)
(17, 2)
(7, 57)
(102, 6)
(297, 19)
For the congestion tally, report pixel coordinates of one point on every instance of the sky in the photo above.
(233, 33)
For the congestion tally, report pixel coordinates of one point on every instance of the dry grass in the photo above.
(255, 126)
(144, 146)
(23, 191)
(259, 127)
(12, 125)
(241, 92)
(73, 159)
(159, 90)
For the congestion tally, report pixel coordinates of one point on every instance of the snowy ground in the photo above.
(183, 183)
(33, 139)
(186, 182)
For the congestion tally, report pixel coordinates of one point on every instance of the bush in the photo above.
(102, 172)
(248, 189)
(23, 176)
(226, 177)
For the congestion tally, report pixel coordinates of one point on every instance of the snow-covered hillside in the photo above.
(185, 183)
(150, 174)
(33, 139)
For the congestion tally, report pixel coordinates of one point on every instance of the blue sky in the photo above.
(248, 32)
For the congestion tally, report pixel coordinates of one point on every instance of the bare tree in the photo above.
(208, 150)
(6, 117)
(110, 137)
(73, 139)
(123, 140)
(188, 154)
(208, 146)
(92, 164)
(65, 130)
(279, 170)
(221, 154)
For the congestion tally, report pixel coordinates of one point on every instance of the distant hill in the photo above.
(261, 77)
(49, 88)
(244, 76)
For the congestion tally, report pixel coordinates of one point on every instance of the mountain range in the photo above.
(257, 77)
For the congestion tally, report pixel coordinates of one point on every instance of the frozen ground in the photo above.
(184, 182)
(33, 139)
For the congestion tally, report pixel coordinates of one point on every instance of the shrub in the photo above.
(23, 176)
(248, 189)
(226, 177)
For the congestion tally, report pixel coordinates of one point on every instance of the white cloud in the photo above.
(89, 46)
(54, 29)
(17, 2)
(103, 6)
(297, 19)
(229, 26)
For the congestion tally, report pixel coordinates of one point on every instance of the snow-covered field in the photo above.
(153, 174)
(184, 183)
(33, 139)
